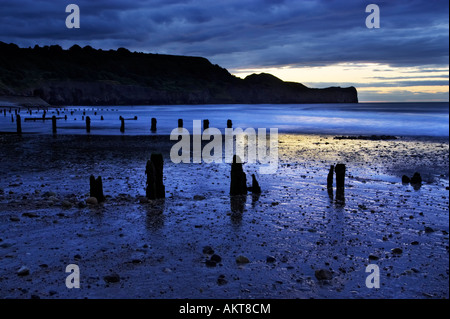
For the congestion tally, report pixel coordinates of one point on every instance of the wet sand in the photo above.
(157, 248)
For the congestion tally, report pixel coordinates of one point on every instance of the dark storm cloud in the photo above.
(242, 33)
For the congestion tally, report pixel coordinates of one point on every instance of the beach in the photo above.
(162, 249)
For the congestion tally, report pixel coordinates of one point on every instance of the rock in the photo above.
(113, 278)
(49, 194)
(66, 204)
(415, 243)
(429, 230)
(77, 257)
(397, 251)
(270, 259)
(23, 271)
(373, 257)
(405, 179)
(30, 215)
(242, 260)
(199, 197)
(208, 250)
(210, 263)
(221, 280)
(92, 201)
(144, 200)
(6, 244)
(323, 274)
(81, 205)
(14, 219)
(96, 188)
(216, 258)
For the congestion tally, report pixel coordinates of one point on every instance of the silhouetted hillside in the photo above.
(85, 76)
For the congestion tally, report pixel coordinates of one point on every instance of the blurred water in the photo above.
(413, 119)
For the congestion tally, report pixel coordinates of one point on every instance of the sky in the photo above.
(319, 43)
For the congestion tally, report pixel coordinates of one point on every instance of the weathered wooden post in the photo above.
(238, 185)
(19, 125)
(340, 183)
(12, 118)
(229, 124)
(65, 117)
(4, 112)
(180, 123)
(154, 170)
(340, 175)
(96, 188)
(330, 177)
(101, 118)
(205, 124)
(153, 127)
(122, 124)
(88, 124)
(43, 115)
(255, 189)
(54, 124)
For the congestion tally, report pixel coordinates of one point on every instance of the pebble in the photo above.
(92, 201)
(242, 260)
(216, 258)
(208, 250)
(270, 259)
(323, 274)
(66, 204)
(23, 271)
(210, 263)
(221, 280)
(113, 278)
(429, 230)
(199, 197)
(397, 251)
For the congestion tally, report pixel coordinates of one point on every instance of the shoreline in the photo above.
(156, 248)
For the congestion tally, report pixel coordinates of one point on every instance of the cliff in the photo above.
(85, 76)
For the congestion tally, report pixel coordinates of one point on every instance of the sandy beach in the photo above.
(160, 249)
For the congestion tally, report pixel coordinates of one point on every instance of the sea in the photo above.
(399, 119)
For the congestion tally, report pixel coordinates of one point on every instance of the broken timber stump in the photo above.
(154, 170)
(330, 177)
(238, 185)
(153, 127)
(96, 188)
(255, 189)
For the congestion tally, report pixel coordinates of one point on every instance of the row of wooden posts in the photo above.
(88, 123)
(155, 188)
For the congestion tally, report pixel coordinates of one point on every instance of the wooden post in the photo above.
(96, 188)
(330, 177)
(88, 124)
(4, 112)
(340, 184)
(19, 125)
(180, 123)
(205, 124)
(340, 175)
(229, 124)
(101, 118)
(12, 118)
(256, 189)
(54, 124)
(153, 127)
(154, 170)
(238, 185)
(122, 124)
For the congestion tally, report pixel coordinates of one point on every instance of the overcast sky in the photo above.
(317, 42)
